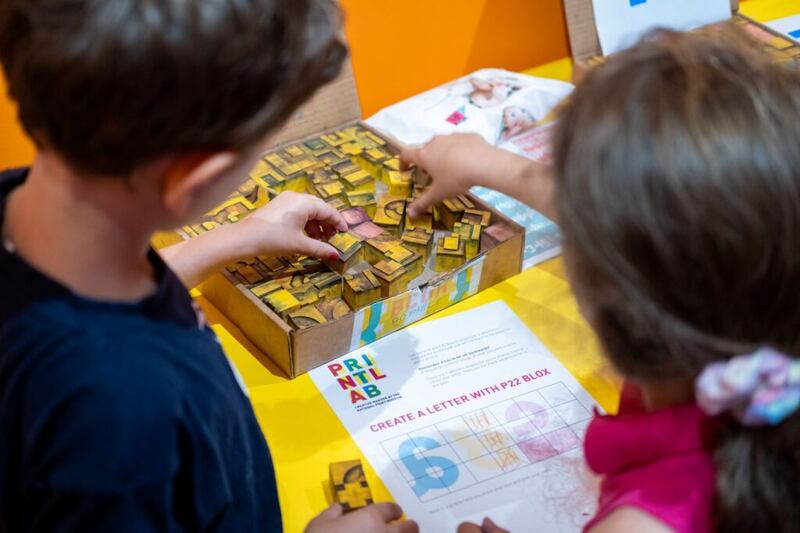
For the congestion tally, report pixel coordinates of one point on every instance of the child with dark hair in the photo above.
(677, 185)
(118, 409)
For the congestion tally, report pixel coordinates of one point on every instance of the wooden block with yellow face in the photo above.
(471, 235)
(306, 294)
(360, 180)
(282, 302)
(400, 183)
(337, 203)
(419, 240)
(328, 283)
(306, 317)
(390, 165)
(376, 248)
(351, 251)
(411, 260)
(451, 211)
(334, 138)
(372, 161)
(450, 253)
(333, 308)
(329, 191)
(363, 199)
(349, 485)
(352, 148)
(478, 217)
(361, 288)
(390, 214)
(392, 276)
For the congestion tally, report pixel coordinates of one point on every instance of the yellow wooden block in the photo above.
(419, 240)
(477, 216)
(361, 288)
(451, 211)
(450, 253)
(471, 235)
(282, 302)
(390, 214)
(363, 199)
(392, 275)
(306, 317)
(411, 260)
(350, 251)
(329, 284)
(333, 308)
(349, 485)
(360, 180)
(376, 248)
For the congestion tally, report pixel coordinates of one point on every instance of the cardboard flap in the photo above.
(333, 105)
(583, 38)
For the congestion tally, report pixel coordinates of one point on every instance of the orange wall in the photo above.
(402, 47)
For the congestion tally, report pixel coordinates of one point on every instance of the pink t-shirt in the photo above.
(655, 461)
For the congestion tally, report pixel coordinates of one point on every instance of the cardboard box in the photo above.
(313, 341)
(586, 50)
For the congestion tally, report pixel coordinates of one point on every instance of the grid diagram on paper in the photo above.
(493, 441)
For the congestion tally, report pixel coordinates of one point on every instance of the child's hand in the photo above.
(291, 224)
(375, 518)
(455, 163)
(486, 527)
(459, 161)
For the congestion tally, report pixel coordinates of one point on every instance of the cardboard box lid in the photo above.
(333, 105)
(583, 38)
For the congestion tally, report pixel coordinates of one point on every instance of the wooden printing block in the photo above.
(333, 308)
(306, 294)
(363, 199)
(367, 230)
(282, 302)
(471, 235)
(276, 266)
(390, 165)
(266, 176)
(370, 137)
(360, 180)
(376, 248)
(451, 211)
(337, 203)
(295, 151)
(246, 274)
(345, 167)
(355, 216)
(352, 148)
(423, 221)
(305, 265)
(495, 234)
(306, 317)
(450, 253)
(315, 145)
(350, 487)
(361, 288)
(477, 216)
(334, 138)
(265, 288)
(411, 260)
(329, 284)
(419, 240)
(400, 183)
(350, 248)
(294, 178)
(390, 214)
(372, 161)
(330, 190)
(392, 276)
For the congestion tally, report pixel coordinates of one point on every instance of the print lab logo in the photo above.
(358, 376)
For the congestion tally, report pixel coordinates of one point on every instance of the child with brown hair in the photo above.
(677, 187)
(118, 409)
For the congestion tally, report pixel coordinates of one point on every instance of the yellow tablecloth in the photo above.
(304, 434)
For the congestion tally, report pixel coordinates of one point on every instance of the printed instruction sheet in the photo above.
(466, 417)
(621, 23)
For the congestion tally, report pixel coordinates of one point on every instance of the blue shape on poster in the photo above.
(635, 3)
(420, 467)
(795, 34)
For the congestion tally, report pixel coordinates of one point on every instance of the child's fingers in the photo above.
(406, 526)
(323, 213)
(387, 511)
(410, 156)
(469, 527)
(419, 206)
(315, 248)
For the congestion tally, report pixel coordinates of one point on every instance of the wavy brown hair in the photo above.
(678, 191)
(114, 84)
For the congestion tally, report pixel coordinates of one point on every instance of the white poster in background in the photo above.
(466, 417)
(789, 26)
(621, 23)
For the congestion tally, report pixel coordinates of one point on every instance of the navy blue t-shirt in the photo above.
(121, 417)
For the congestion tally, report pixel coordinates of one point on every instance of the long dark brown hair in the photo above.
(678, 190)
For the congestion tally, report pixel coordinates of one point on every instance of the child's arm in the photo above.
(291, 224)
(630, 519)
(457, 162)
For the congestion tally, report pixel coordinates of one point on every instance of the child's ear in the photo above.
(189, 177)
